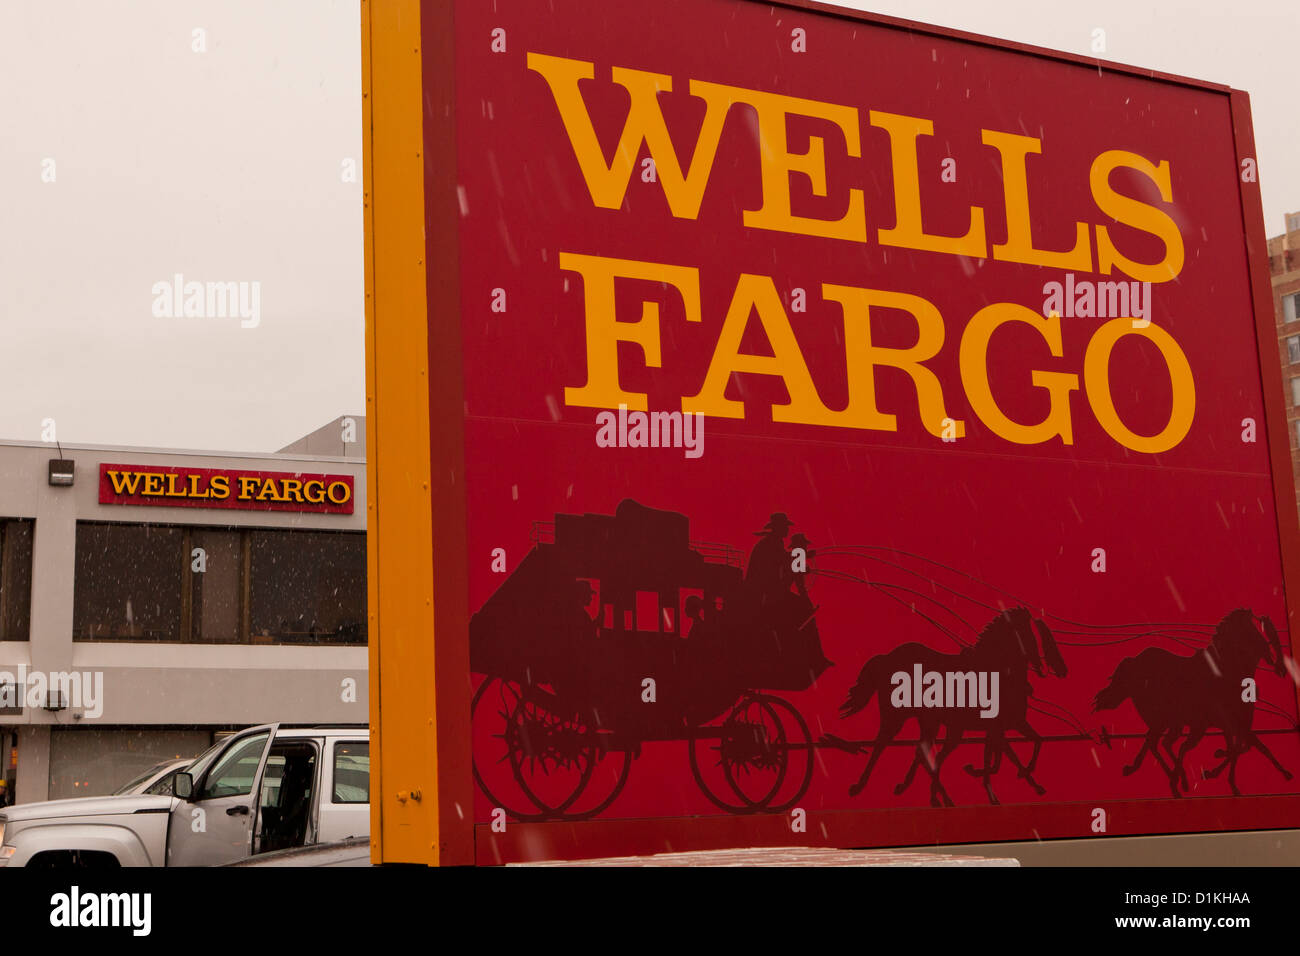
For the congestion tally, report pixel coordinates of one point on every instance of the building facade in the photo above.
(344, 437)
(164, 597)
(1284, 268)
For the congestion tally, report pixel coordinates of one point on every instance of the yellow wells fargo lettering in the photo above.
(159, 484)
(607, 181)
(248, 488)
(757, 295)
(312, 491)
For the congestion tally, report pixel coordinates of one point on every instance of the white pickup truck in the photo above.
(313, 783)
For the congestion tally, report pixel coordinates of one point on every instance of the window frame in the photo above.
(191, 587)
(334, 767)
(278, 749)
(323, 639)
(200, 788)
(11, 576)
(175, 634)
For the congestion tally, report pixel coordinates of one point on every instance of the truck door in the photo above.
(215, 823)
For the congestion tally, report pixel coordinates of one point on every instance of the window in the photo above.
(15, 579)
(307, 587)
(216, 593)
(217, 585)
(1289, 307)
(295, 762)
(352, 772)
(128, 583)
(1296, 423)
(233, 774)
(1295, 391)
(131, 785)
(288, 795)
(271, 780)
(1293, 349)
(166, 786)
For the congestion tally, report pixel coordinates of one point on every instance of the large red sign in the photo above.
(176, 486)
(951, 351)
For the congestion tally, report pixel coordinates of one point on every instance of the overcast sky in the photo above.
(126, 158)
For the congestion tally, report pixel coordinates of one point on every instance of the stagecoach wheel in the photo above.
(748, 752)
(611, 771)
(491, 715)
(553, 752)
(702, 750)
(754, 751)
(798, 747)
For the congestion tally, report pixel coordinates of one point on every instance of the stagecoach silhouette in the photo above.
(617, 633)
(678, 648)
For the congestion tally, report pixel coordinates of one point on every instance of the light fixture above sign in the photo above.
(62, 471)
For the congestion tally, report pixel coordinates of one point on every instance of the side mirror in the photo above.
(183, 785)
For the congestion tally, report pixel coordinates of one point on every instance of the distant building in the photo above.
(345, 437)
(1284, 267)
(151, 599)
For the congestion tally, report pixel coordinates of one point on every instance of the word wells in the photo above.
(892, 141)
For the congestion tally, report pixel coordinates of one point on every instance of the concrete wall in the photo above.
(328, 439)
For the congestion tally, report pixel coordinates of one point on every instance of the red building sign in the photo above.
(181, 487)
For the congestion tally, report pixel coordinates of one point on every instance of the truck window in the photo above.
(271, 779)
(233, 774)
(351, 772)
(289, 786)
(164, 785)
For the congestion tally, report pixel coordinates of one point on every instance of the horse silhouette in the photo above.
(1009, 647)
(1173, 693)
(1014, 715)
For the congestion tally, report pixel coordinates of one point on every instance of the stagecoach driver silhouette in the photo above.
(768, 574)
